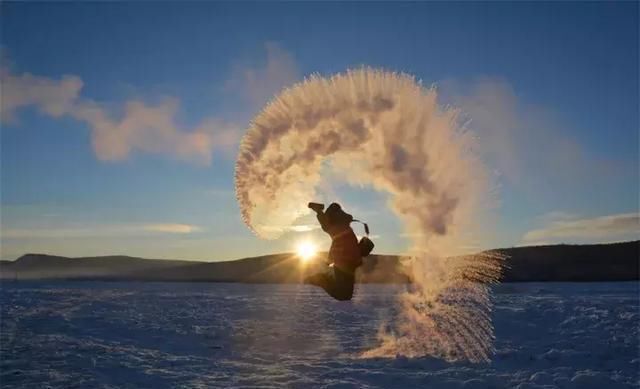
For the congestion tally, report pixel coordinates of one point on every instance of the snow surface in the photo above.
(109, 334)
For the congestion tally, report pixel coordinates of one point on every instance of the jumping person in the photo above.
(344, 252)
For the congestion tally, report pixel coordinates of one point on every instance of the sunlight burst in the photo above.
(306, 250)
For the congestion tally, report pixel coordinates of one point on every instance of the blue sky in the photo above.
(550, 88)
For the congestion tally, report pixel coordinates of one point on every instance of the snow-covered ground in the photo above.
(156, 335)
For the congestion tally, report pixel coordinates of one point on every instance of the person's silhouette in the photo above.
(344, 252)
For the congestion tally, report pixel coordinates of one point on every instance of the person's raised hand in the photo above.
(316, 207)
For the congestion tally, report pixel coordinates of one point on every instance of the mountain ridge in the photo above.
(563, 262)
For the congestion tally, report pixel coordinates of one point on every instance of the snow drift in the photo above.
(386, 131)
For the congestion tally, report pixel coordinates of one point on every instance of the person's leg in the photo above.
(343, 285)
(323, 280)
(318, 279)
(338, 285)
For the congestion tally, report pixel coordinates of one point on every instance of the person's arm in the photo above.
(323, 219)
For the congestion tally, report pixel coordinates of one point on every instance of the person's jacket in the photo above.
(344, 251)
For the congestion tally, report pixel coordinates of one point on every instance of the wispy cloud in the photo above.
(258, 83)
(295, 228)
(142, 127)
(99, 231)
(147, 128)
(52, 97)
(153, 129)
(304, 227)
(172, 228)
(374, 236)
(602, 228)
(529, 145)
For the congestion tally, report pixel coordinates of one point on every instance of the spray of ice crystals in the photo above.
(386, 131)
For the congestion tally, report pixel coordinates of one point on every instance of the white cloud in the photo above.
(142, 127)
(52, 97)
(374, 236)
(528, 144)
(99, 231)
(147, 128)
(294, 228)
(258, 84)
(173, 228)
(603, 228)
(304, 228)
(152, 129)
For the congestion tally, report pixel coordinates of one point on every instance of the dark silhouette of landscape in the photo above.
(597, 262)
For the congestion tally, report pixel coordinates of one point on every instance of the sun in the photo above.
(306, 250)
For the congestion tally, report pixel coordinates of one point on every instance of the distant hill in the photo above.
(37, 266)
(277, 268)
(598, 262)
(602, 262)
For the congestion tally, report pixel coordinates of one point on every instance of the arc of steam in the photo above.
(386, 131)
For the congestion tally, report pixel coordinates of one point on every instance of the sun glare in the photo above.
(306, 250)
